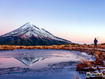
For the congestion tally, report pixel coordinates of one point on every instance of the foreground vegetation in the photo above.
(96, 66)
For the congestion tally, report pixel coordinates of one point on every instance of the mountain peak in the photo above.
(29, 23)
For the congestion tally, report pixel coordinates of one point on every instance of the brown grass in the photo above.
(87, 63)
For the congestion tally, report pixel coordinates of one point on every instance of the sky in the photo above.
(79, 21)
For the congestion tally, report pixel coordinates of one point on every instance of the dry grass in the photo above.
(87, 63)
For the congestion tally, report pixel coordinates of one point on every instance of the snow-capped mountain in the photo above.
(29, 34)
(29, 30)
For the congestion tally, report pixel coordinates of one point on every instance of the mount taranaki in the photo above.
(29, 34)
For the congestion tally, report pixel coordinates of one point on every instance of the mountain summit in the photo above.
(29, 34)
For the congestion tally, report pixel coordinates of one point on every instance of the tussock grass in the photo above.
(87, 63)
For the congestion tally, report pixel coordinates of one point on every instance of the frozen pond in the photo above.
(39, 63)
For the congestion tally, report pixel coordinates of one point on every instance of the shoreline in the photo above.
(96, 66)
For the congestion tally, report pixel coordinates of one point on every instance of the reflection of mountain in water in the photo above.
(28, 59)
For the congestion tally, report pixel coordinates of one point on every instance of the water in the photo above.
(43, 62)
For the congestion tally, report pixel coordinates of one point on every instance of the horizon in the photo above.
(79, 21)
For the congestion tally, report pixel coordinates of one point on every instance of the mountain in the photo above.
(29, 34)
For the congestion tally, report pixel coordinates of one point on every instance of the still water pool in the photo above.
(39, 62)
(38, 58)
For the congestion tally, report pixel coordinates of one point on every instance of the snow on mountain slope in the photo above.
(29, 30)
